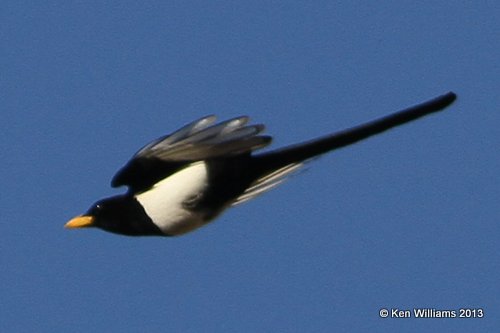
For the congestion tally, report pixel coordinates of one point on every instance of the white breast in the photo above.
(164, 202)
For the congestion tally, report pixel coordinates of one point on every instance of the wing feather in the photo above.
(267, 182)
(199, 140)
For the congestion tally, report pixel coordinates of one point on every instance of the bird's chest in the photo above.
(171, 203)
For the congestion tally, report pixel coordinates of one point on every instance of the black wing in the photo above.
(199, 140)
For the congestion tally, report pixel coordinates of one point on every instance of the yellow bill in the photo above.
(80, 222)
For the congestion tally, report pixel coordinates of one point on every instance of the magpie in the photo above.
(182, 181)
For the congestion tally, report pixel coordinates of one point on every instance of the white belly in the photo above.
(164, 202)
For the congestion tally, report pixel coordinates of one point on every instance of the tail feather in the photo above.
(303, 151)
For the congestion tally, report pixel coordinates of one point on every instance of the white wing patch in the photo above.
(267, 182)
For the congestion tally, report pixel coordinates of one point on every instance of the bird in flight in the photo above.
(182, 181)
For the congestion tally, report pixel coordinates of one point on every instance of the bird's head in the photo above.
(120, 214)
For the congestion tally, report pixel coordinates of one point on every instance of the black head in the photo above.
(120, 214)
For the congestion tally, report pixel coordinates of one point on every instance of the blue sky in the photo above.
(408, 219)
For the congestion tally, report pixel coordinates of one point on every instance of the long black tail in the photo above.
(306, 150)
